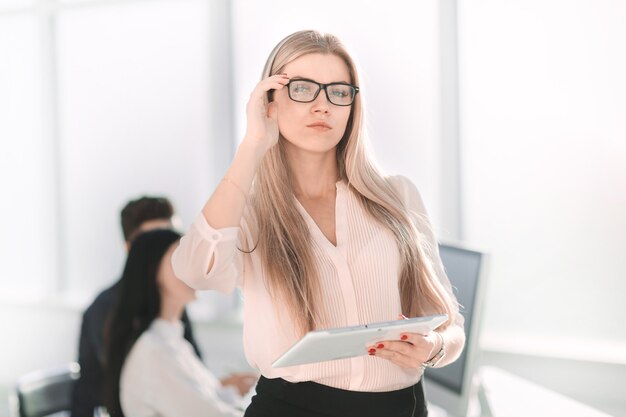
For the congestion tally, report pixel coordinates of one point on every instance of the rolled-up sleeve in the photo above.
(201, 244)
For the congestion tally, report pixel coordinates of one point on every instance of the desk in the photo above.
(509, 395)
(502, 394)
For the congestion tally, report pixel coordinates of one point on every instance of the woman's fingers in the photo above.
(262, 126)
(258, 97)
(400, 359)
(410, 352)
(275, 82)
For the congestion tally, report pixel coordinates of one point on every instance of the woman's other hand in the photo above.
(411, 351)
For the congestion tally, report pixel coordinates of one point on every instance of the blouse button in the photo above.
(215, 236)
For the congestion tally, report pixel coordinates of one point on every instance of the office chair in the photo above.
(45, 392)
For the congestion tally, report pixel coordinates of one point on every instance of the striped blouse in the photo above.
(359, 284)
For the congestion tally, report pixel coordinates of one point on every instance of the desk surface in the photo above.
(509, 395)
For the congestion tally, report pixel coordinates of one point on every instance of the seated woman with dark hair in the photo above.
(151, 369)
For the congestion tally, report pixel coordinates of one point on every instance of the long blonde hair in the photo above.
(284, 240)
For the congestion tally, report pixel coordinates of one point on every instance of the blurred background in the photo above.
(509, 115)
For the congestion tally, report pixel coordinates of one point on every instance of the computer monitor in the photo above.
(450, 387)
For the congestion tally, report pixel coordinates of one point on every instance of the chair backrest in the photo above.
(47, 391)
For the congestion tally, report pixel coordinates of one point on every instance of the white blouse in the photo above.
(162, 376)
(359, 283)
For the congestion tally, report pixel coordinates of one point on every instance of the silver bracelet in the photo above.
(432, 362)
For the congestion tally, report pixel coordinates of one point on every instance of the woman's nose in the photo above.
(321, 103)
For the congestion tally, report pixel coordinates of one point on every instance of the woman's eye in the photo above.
(340, 93)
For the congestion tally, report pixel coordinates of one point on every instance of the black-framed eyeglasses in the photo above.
(305, 91)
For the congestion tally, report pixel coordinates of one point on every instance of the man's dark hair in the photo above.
(141, 210)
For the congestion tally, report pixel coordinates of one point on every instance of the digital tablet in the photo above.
(348, 342)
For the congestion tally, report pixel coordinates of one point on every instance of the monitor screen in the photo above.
(464, 268)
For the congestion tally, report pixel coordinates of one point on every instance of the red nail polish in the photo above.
(404, 337)
(380, 346)
(371, 351)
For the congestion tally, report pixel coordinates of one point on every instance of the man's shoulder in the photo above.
(103, 302)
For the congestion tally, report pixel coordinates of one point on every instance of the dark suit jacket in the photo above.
(88, 388)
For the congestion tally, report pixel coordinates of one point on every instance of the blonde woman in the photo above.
(316, 237)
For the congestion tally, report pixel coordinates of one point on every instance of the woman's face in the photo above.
(169, 284)
(317, 126)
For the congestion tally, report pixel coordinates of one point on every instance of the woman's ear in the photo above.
(272, 111)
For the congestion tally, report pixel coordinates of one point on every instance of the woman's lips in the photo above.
(321, 126)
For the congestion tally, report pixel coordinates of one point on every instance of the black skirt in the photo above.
(279, 398)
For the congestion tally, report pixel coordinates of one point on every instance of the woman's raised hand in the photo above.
(262, 116)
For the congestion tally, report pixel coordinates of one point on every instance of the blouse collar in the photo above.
(169, 330)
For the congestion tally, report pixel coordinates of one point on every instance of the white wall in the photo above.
(26, 221)
(133, 101)
(543, 133)
(102, 102)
